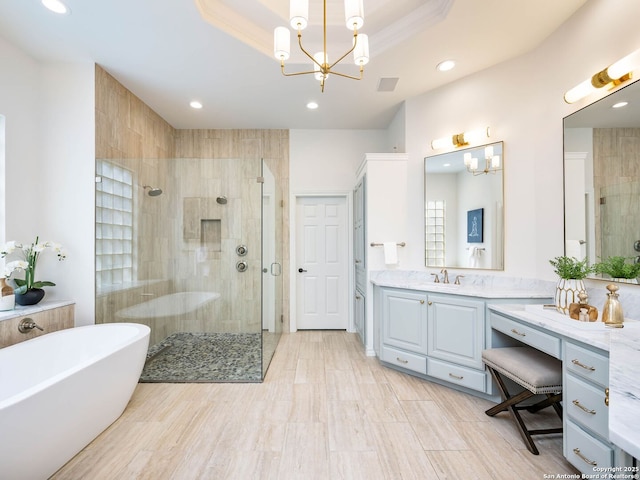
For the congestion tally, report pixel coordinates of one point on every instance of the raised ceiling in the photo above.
(169, 52)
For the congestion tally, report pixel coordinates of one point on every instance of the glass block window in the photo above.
(435, 213)
(114, 225)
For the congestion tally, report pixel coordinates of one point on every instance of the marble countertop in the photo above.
(482, 286)
(623, 345)
(20, 311)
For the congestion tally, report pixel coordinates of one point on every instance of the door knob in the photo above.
(301, 270)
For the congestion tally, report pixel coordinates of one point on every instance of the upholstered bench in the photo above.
(535, 371)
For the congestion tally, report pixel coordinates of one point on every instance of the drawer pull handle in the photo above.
(575, 361)
(584, 459)
(518, 333)
(457, 377)
(583, 408)
(606, 396)
(401, 360)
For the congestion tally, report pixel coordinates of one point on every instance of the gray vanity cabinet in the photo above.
(438, 336)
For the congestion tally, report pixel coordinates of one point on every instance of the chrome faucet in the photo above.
(446, 275)
(436, 278)
(457, 281)
(27, 324)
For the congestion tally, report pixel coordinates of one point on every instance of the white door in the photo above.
(322, 263)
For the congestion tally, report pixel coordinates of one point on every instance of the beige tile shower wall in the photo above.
(227, 162)
(131, 135)
(616, 158)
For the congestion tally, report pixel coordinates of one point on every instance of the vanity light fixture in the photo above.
(615, 74)
(492, 162)
(461, 139)
(299, 18)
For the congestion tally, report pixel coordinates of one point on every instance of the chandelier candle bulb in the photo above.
(299, 14)
(282, 43)
(495, 161)
(361, 52)
(354, 14)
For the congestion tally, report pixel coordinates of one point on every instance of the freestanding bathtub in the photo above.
(61, 390)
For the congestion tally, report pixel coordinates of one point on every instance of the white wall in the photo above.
(327, 160)
(522, 101)
(49, 168)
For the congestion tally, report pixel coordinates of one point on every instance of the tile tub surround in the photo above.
(50, 315)
(623, 346)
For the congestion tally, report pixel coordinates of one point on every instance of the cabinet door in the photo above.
(359, 314)
(456, 330)
(404, 320)
(359, 240)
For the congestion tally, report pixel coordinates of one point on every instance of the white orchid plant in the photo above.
(30, 254)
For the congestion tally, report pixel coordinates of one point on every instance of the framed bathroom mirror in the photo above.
(602, 178)
(464, 208)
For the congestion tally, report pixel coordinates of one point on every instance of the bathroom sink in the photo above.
(553, 315)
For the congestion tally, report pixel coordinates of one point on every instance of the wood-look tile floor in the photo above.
(325, 411)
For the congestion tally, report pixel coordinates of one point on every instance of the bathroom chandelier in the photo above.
(492, 162)
(299, 18)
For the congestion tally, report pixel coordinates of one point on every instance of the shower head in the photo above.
(153, 191)
(222, 200)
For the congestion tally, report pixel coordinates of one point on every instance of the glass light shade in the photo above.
(354, 14)
(467, 159)
(320, 58)
(281, 43)
(299, 14)
(625, 65)
(473, 165)
(474, 136)
(361, 52)
(441, 143)
(488, 152)
(495, 161)
(579, 91)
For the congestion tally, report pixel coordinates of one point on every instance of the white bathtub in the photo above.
(61, 390)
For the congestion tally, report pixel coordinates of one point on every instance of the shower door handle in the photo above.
(301, 270)
(276, 269)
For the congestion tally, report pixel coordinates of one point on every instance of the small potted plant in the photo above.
(619, 269)
(572, 272)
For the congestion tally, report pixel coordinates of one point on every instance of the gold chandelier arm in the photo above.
(349, 76)
(304, 51)
(355, 41)
(294, 73)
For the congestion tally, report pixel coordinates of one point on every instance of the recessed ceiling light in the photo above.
(312, 105)
(446, 65)
(446, 164)
(620, 105)
(195, 104)
(56, 6)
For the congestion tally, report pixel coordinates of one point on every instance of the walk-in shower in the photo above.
(172, 264)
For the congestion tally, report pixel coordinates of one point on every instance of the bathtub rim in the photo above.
(142, 332)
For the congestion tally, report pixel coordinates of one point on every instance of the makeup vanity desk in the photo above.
(601, 394)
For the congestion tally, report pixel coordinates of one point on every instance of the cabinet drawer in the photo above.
(410, 361)
(584, 403)
(587, 364)
(535, 338)
(462, 376)
(586, 452)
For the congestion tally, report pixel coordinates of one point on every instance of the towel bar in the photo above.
(373, 244)
(477, 248)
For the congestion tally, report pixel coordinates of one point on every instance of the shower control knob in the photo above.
(241, 250)
(242, 266)
(301, 270)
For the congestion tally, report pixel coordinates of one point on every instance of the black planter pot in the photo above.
(30, 297)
